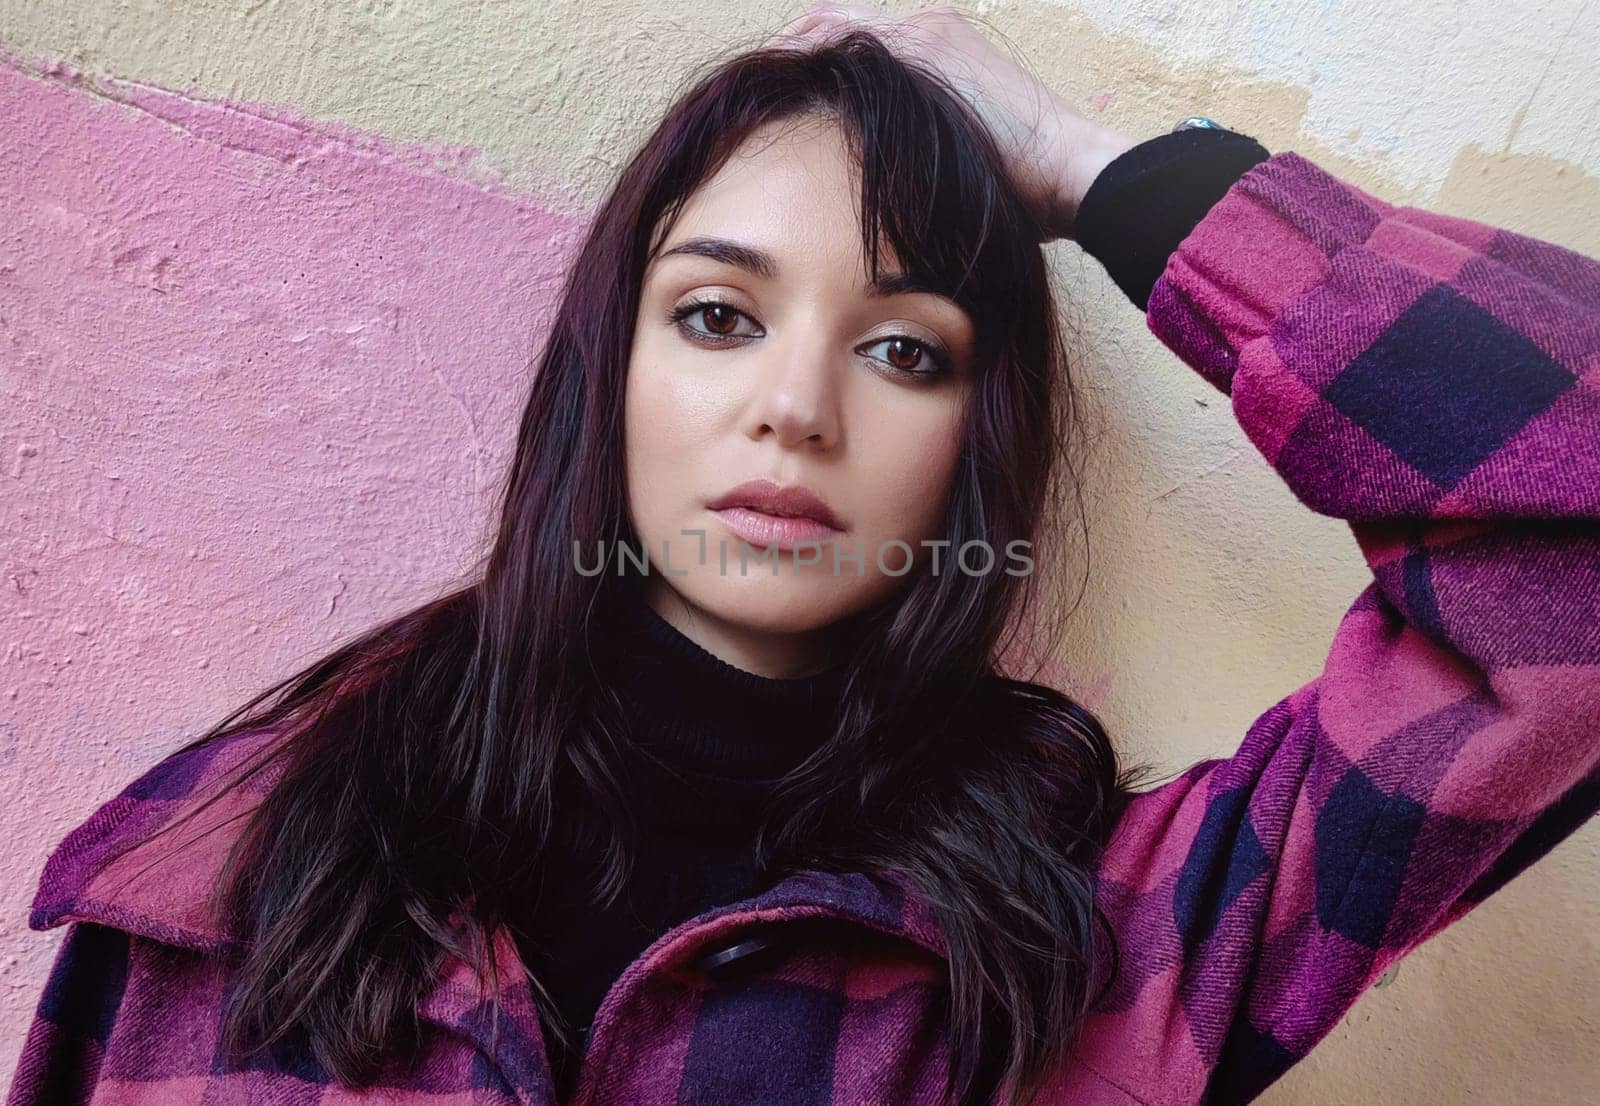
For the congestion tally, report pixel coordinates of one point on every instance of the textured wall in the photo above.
(271, 275)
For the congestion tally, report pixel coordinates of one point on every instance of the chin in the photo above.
(781, 604)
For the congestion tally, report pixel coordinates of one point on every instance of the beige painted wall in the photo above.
(1214, 593)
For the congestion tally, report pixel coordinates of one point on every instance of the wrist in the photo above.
(1088, 148)
(1142, 204)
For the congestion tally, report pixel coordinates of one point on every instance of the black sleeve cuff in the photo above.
(1149, 197)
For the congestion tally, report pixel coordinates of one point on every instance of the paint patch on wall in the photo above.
(259, 377)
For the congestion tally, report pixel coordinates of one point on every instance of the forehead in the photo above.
(792, 189)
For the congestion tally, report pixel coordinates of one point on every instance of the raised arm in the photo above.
(1436, 382)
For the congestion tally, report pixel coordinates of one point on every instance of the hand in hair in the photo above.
(1052, 152)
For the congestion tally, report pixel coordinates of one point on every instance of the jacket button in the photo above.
(746, 951)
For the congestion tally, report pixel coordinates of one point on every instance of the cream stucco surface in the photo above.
(1212, 592)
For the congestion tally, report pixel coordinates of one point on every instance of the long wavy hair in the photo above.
(420, 763)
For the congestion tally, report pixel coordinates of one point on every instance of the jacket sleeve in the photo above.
(61, 1056)
(1436, 383)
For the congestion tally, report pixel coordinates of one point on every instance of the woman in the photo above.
(682, 833)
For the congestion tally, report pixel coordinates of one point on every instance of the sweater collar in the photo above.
(695, 711)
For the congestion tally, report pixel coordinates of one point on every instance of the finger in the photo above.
(803, 26)
(858, 15)
(851, 11)
(902, 31)
(814, 33)
(823, 20)
(798, 28)
(821, 13)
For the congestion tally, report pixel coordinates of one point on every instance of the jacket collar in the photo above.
(133, 867)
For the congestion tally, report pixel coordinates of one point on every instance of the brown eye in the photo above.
(703, 320)
(910, 356)
(719, 318)
(904, 353)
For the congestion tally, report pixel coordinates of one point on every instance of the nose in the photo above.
(795, 399)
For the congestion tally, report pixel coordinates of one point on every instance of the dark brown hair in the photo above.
(422, 760)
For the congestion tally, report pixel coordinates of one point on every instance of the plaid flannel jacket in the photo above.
(1432, 380)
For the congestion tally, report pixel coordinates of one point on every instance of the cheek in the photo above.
(913, 461)
(670, 403)
(669, 419)
(650, 438)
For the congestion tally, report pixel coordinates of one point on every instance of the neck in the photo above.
(770, 654)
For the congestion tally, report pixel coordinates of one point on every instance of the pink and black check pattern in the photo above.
(1432, 380)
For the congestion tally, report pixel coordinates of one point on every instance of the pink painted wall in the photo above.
(257, 379)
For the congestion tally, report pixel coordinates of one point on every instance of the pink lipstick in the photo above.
(766, 513)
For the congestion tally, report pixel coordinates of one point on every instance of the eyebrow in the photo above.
(762, 264)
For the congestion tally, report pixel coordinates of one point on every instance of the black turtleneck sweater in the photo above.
(705, 740)
(703, 743)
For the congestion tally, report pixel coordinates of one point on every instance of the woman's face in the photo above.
(760, 352)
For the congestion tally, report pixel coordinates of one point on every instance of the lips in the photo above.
(769, 498)
(765, 513)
